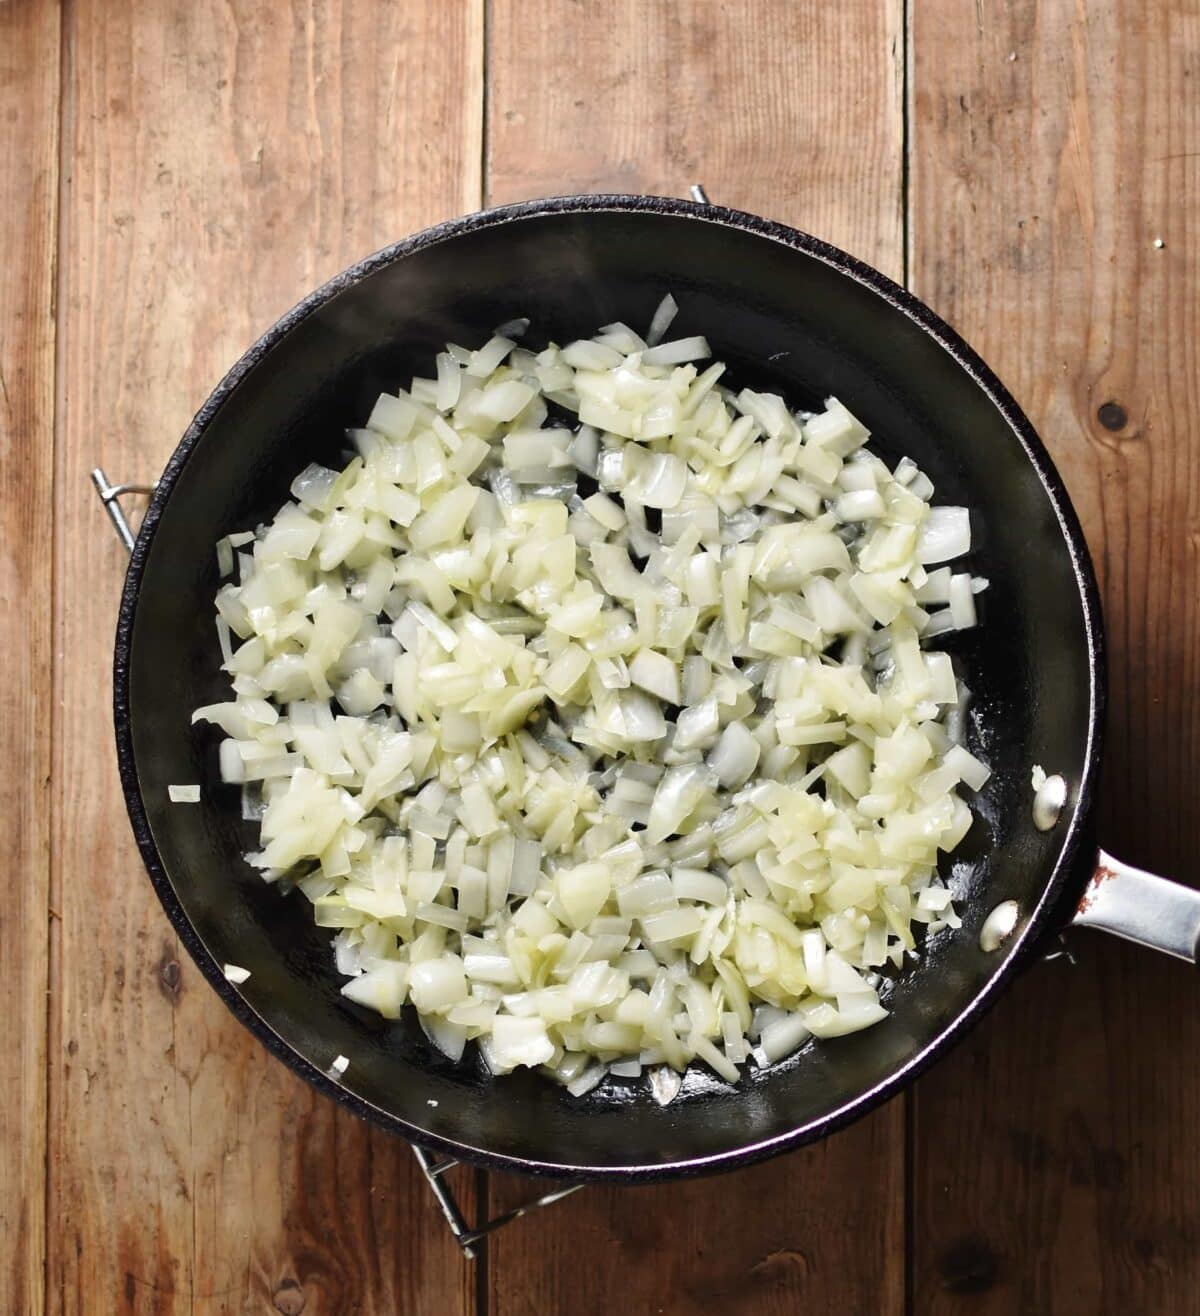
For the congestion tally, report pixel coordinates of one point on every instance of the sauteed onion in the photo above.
(588, 704)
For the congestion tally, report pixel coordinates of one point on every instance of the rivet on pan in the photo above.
(1049, 796)
(998, 926)
(664, 1084)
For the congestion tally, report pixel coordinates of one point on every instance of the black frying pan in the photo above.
(789, 313)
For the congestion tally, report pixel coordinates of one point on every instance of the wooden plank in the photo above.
(823, 1226)
(29, 91)
(790, 110)
(755, 102)
(1054, 146)
(223, 160)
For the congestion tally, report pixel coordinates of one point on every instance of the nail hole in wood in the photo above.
(1112, 416)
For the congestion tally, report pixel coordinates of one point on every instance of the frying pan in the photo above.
(789, 313)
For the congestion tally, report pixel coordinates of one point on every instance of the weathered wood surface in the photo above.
(793, 111)
(200, 166)
(1055, 176)
(220, 160)
(29, 203)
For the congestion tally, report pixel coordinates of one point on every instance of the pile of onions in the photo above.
(588, 704)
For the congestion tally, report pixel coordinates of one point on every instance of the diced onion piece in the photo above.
(835, 429)
(735, 756)
(504, 400)
(663, 316)
(435, 985)
(781, 1037)
(679, 792)
(671, 926)
(677, 352)
(860, 505)
(649, 894)
(520, 1041)
(945, 535)
(962, 602)
(392, 416)
(655, 673)
(970, 770)
(449, 382)
(602, 509)
(381, 988)
(488, 359)
(696, 884)
(583, 892)
(697, 726)
(567, 670)
(662, 481)
(590, 1078)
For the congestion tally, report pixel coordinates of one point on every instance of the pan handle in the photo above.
(1141, 907)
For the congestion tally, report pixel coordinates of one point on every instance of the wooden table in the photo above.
(174, 174)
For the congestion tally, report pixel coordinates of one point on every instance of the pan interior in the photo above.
(784, 317)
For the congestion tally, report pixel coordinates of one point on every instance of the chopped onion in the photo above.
(962, 602)
(860, 505)
(603, 781)
(449, 382)
(695, 884)
(780, 1038)
(945, 535)
(697, 725)
(661, 322)
(679, 792)
(655, 673)
(520, 1041)
(678, 352)
(649, 894)
(971, 772)
(663, 481)
(488, 359)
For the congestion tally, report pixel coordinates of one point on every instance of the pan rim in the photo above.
(1061, 873)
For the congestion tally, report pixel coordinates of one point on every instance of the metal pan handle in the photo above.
(1141, 907)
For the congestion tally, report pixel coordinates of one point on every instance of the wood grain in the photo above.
(29, 85)
(223, 159)
(219, 159)
(1053, 146)
(793, 111)
(823, 1226)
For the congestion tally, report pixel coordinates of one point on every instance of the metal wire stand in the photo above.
(110, 496)
(433, 1168)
